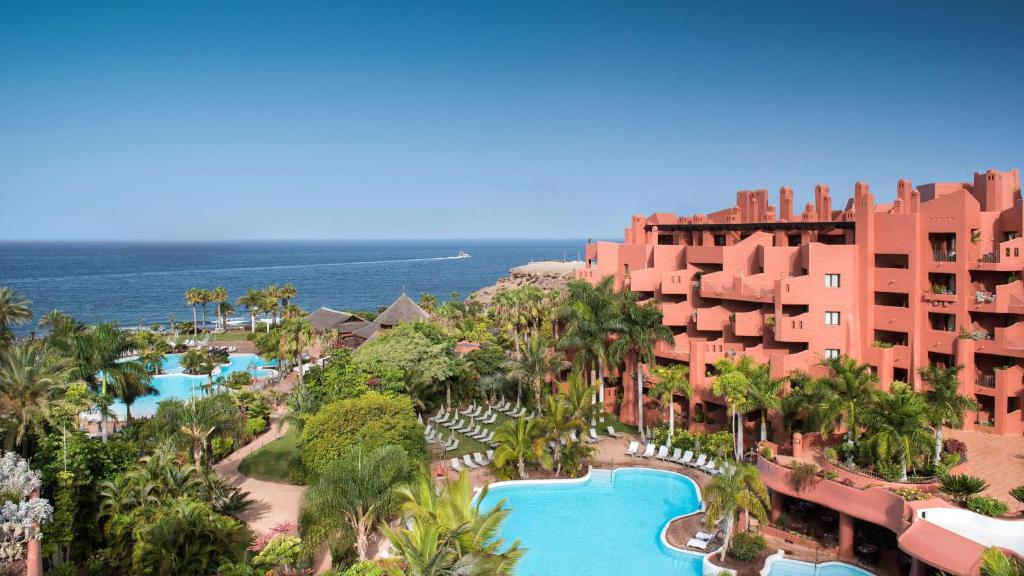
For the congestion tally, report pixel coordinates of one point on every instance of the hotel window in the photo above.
(831, 353)
(831, 280)
(832, 318)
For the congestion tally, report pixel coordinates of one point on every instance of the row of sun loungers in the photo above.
(702, 462)
(701, 540)
(472, 463)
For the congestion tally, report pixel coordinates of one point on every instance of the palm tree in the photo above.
(252, 301)
(511, 315)
(449, 533)
(733, 384)
(129, 386)
(579, 399)
(196, 422)
(641, 330)
(296, 336)
(194, 297)
(672, 380)
(428, 302)
(14, 309)
(534, 366)
(850, 389)
(219, 296)
(995, 562)
(589, 317)
(764, 394)
(520, 441)
(945, 404)
(205, 297)
(226, 310)
(554, 426)
(898, 423)
(354, 495)
(286, 293)
(738, 489)
(30, 378)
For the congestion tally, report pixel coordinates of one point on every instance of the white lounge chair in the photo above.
(613, 433)
(707, 536)
(454, 445)
(479, 459)
(687, 457)
(634, 446)
(662, 453)
(493, 418)
(698, 544)
(572, 436)
(649, 451)
(699, 461)
(455, 465)
(709, 466)
(677, 453)
(469, 462)
(593, 436)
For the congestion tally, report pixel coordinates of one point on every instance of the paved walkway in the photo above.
(997, 459)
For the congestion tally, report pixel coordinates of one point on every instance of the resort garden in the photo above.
(369, 433)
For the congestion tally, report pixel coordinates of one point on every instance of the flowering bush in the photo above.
(20, 519)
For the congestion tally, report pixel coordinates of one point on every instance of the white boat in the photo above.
(462, 254)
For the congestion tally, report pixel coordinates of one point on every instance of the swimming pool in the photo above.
(610, 522)
(777, 566)
(174, 383)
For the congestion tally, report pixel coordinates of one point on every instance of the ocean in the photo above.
(145, 282)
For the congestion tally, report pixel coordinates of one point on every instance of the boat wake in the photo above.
(15, 281)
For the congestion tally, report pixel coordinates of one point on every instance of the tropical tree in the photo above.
(252, 301)
(520, 441)
(194, 424)
(641, 330)
(943, 401)
(672, 380)
(14, 309)
(733, 384)
(764, 393)
(296, 336)
(579, 399)
(995, 562)
(194, 297)
(286, 293)
(554, 426)
(850, 389)
(738, 489)
(129, 386)
(30, 378)
(449, 532)
(590, 317)
(534, 366)
(898, 425)
(428, 302)
(352, 497)
(219, 296)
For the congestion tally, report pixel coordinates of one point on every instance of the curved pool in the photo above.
(610, 522)
(175, 384)
(785, 567)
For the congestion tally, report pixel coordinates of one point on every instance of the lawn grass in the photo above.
(275, 461)
(236, 336)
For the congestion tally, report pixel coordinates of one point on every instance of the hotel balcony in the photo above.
(712, 319)
(749, 323)
(645, 280)
(678, 282)
(1007, 257)
(796, 290)
(793, 328)
(678, 349)
(732, 287)
(1009, 298)
(704, 254)
(939, 341)
(676, 313)
(1008, 341)
(892, 318)
(899, 280)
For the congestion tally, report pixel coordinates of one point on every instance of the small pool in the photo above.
(784, 567)
(610, 523)
(174, 383)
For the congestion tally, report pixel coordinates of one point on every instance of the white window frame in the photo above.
(831, 353)
(829, 317)
(829, 281)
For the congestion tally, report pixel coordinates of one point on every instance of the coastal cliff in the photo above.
(546, 275)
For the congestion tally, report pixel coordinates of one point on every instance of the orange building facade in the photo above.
(932, 277)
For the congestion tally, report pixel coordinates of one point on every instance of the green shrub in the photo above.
(987, 505)
(254, 426)
(221, 447)
(281, 550)
(910, 494)
(372, 420)
(1018, 493)
(802, 475)
(828, 474)
(746, 546)
(831, 454)
(961, 486)
(767, 454)
(890, 471)
(66, 569)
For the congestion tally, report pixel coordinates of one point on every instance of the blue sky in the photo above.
(227, 120)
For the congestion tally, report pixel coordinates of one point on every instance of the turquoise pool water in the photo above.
(177, 385)
(609, 524)
(795, 568)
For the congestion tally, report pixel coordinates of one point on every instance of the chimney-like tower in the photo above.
(822, 203)
(786, 203)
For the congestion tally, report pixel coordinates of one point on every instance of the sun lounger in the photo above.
(649, 451)
(455, 465)
(469, 462)
(633, 447)
(709, 466)
(698, 544)
(613, 433)
(699, 462)
(706, 536)
(479, 459)
(677, 453)
(662, 453)
(467, 410)
(572, 436)
(453, 445)
(491, 420)
(687, 458)
(593, 436)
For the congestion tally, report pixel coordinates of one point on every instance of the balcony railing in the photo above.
(989, 258)
(944, 255)
(987, 381)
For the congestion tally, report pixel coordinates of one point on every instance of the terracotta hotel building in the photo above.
(932, 277)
